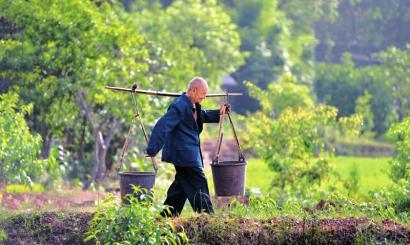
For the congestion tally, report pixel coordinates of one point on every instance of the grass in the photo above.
(372, 172)
(18, 188)
(372, 176)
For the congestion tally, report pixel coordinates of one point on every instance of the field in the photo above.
(372, 172)
(63, 218)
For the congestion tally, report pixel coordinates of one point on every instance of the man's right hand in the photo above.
(225, 108)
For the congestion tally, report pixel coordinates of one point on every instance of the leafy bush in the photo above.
(399, 196)
(295, 147)
(139, 222)
(19, 149)
(400, 164)
(279, 96)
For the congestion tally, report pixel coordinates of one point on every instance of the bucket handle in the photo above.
(225, 111)
(125, 146)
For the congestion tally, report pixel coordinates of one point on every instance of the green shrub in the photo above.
(19, 148)
(295, 146)
(400, 164)
(397, 197)
(336, 205)
(138, 222)
(399, 194)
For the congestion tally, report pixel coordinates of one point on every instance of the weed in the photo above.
(138, 222)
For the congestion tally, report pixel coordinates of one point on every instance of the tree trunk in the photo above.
(47, 141)
(99, 167)
(100, 144)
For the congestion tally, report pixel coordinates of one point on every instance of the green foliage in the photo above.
(19, 149)
(294, 146)
(187, 39)
(336, 205)
(341, 85)
(396, 197)
(61, 51)
(396, 68)
(278, 96)
(400, 166)
(64, 50)
(278, 37)
(138, 222)
(363, 108)
(362, 27)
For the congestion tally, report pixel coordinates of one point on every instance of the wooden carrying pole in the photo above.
(164, 93)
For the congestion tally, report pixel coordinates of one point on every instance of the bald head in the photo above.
(197, 82)
(197, 90)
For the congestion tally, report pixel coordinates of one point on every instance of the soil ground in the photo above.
(69, 228)
(73, 211)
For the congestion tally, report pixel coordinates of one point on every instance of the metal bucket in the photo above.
(229, 178)
(143, 180)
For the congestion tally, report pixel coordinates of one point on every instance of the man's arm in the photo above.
(162, 130)
(210, 116)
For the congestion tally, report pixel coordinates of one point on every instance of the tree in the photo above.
(363, 27)
(278, 37)
(64, 59)
(64, 54)
(340, 85)
(189, 38)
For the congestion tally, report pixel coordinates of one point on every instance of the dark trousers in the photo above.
(190, 183)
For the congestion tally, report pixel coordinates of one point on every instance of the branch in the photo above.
(117, 124)
(88, 113)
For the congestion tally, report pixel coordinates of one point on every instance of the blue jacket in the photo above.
(177, 133)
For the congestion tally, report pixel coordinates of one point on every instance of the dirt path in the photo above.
(44, 201)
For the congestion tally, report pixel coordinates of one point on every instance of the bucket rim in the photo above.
(229, 163)
(137, 173)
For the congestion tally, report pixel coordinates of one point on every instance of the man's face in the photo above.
(200, 94)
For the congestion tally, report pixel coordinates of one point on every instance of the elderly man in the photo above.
(177, 133)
